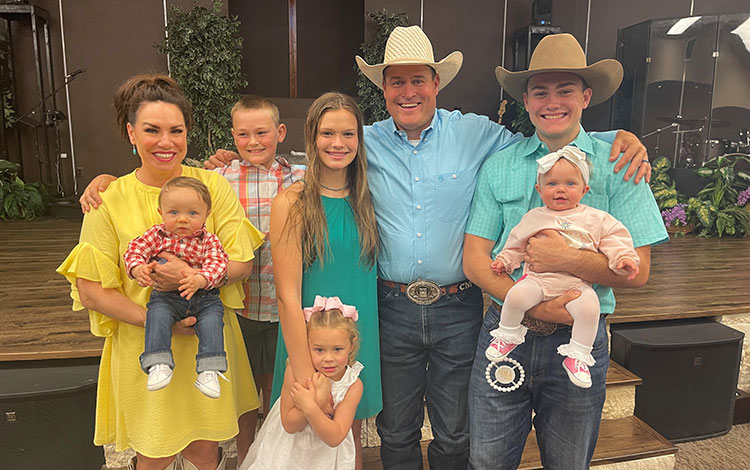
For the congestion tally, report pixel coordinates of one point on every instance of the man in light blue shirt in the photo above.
(422, 168)
(555, 89)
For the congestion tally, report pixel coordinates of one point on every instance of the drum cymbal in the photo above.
(694, 123)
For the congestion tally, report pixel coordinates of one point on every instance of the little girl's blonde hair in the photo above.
(335, 319)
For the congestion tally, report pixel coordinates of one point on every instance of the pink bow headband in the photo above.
(323, 304)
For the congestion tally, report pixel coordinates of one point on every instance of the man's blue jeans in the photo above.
(567, 417)
(426, 354)
(164, 309)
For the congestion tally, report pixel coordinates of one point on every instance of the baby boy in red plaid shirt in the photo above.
(184, 204)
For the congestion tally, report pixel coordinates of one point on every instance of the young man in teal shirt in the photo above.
(555, 89)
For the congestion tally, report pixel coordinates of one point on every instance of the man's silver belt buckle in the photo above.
(423, 292)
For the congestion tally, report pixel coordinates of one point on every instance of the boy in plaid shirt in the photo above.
(184, 204)
(256, 179)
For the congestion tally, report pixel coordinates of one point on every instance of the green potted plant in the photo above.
(672, 203)
(371, 99)
(6, 94)
(205, 58)
(720, 208)
(19, 200)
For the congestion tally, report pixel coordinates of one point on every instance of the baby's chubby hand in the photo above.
(629, 266)
(498, 267)
(142, 274)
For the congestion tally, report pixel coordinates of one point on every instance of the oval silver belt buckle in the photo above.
(423, 292)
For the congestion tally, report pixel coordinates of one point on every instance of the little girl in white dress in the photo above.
(309, 426)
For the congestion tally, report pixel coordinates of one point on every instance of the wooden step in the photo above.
(617, 375)
(620, 403)
(620, 440)
(621, 383)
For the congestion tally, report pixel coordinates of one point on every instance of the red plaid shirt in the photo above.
(201, 250)
(256, 187)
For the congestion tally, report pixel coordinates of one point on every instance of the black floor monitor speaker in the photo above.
(689, 370)
(47, 413)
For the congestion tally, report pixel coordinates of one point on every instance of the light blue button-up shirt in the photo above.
(505, 192)
(422, 193)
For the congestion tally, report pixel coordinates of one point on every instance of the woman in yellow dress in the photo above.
(155, 116)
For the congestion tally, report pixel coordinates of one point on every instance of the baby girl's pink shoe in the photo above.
(498, 350)
(578, 372)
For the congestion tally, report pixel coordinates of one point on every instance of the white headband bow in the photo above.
(573, 154)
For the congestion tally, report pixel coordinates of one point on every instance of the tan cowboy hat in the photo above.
(411, 46)
(562, 53)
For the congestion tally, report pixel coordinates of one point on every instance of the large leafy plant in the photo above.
(205, 58)
(662, 186)
(718, 209)
(19, 200)
(371, 99)
(6, 94)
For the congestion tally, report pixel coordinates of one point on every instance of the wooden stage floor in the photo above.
(690, 277)
(36, 320)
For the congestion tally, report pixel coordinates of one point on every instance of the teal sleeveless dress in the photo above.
(344, 276)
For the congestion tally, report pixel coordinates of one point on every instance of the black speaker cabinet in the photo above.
(47, 415)
(689, 370)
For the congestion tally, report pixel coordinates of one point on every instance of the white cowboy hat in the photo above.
(411, 46)
(562, 53)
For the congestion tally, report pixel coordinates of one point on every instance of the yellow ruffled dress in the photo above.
(161, 423)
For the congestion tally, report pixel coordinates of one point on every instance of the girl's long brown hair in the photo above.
(308, 211)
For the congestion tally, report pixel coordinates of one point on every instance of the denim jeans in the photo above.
(164, 309)
(567, 417)
(426, 354)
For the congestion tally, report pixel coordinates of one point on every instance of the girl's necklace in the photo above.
(346, 186)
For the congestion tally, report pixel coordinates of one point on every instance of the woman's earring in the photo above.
(134, 151)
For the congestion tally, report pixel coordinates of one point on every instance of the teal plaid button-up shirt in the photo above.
(505, 192)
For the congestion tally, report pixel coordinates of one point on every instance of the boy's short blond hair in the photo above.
(249, 102)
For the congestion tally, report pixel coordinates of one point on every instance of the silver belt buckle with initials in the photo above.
(423, 292)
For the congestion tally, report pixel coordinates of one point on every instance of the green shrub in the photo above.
(205, 58)
(19, 200)
(371, 99)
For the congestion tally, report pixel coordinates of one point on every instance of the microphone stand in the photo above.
(68, 78)
(53, 117)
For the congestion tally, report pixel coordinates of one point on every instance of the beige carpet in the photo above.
(728, 452)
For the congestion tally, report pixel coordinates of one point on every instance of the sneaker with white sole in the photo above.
(578, 372)
(159, 376)
(498, 350)
(208, 383)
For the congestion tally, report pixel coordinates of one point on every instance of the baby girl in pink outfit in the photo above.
(562, 180)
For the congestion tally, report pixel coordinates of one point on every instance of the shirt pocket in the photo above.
(453, 193)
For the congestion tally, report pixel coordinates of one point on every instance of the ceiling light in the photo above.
(682, 25)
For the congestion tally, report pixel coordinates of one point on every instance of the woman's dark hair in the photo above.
(149, 88)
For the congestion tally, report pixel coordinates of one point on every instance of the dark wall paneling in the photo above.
(329, 34)
(264, 26)
(477, 33)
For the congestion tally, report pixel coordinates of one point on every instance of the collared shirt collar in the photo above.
(277, 162)
(533, 144)
(200, 233)
(393, 130)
